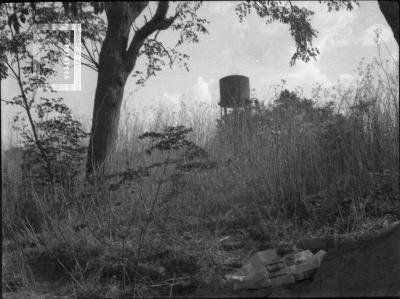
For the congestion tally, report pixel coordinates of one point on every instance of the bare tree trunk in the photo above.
(390, 10)
(106, 114)
(117, 60)
(111, 81)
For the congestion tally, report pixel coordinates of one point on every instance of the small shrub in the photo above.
(57, 153)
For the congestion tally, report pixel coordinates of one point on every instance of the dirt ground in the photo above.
(359, 266)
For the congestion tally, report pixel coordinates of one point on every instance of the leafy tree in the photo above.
(51, 137)
(297, 18)
(118, 59)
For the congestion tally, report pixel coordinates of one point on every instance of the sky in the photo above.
(251, 48)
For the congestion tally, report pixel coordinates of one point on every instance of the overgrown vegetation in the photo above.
(152, 226)
(61, 152)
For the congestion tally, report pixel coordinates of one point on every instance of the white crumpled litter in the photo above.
(267, 268)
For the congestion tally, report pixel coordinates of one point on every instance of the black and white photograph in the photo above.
(200, 149)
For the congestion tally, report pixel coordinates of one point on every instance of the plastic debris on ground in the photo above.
(268, 269)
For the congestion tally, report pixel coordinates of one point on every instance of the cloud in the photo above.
(369, 35)
(335, 29)
(347, 79)
(219, 6)
(202, 91)
(304, 75)
(170, 99)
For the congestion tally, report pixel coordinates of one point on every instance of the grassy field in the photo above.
(295, 170)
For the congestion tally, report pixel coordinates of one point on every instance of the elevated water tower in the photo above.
(234, 94)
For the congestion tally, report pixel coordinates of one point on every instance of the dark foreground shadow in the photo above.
(369, 267)
(366, 267)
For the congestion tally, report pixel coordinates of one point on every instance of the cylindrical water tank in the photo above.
(234, 91)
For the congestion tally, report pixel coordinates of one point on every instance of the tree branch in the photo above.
(90, 55)
(9, 66)
(13, 103)
(158, 22)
